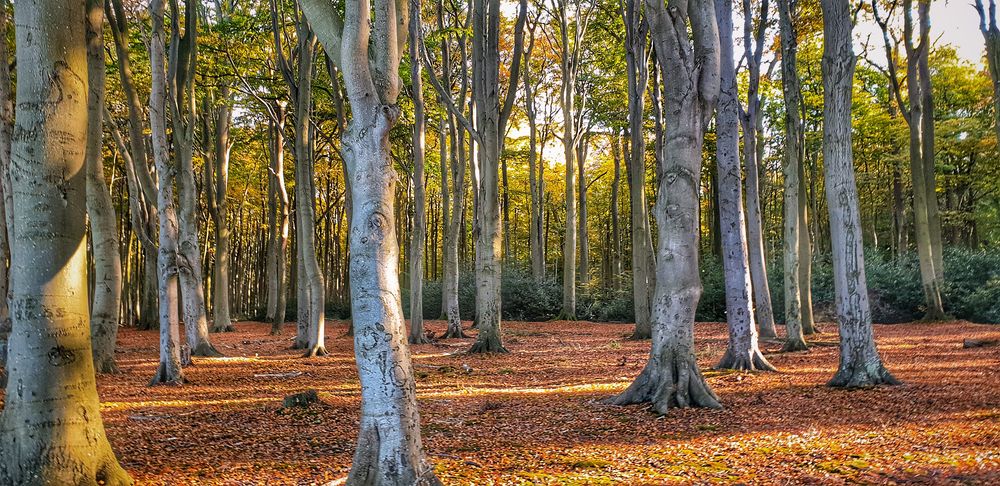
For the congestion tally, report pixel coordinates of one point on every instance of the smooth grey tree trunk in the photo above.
(991, 36)
(535, 243)
(105, 305)
(643, 258)
(794, 152)
(671, 377)
(169, 369)
(181, 101)
(742, 352)
(928, 152)
(368, 51)
(753, 44)
(279, 242)
(860, 364)
(51, 430)
(219, 209)
(417, 237)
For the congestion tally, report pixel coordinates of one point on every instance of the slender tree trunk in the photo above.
(753, 45)
(792, 91)
(805, 255)
(742, 353)
(671, 377)
(535, 243)
(568, 98)
(991, 36)
(927, 149)
(453, 235)
(169, 369)
(6, 192)
(860, 364)
(419, 233)
(616, 232)
(221, 319)
(51, 430)
(581, 160)
(279, 244)
(105, 310)
(643, 258)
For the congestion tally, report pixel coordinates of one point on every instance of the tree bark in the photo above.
(671, 377)
(6, 192)
(279, 243)
(169, 369)
(419, 233)
(753, 151)
(105, 310)
(794, 153)
(643, 258)
(221, 319)
(389, 449)
(991, 36)
(742, 352)
(860, 364)
(51, 430)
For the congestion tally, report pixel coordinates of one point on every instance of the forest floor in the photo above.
(534, 416)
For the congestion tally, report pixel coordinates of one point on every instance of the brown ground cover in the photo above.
(534, 416)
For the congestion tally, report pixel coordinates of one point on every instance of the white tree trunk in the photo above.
(417, 333)
(860, 364)
(671, 377)
(51, 430)
(221, 319)
(105, 307)
(742, 353)
(169, 369)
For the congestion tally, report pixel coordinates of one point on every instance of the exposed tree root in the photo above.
(638, 335)
(487, 345)
(418, 339)
(106, 366)
(315, 351)
(862, 374)
(751, 361)
(454, 333)
(673, 380)
(793, 345)
(226, 328)
(206, 350)
(164, 377)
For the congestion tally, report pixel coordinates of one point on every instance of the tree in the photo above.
(169, 369)
(51, 430)
(794, 154)
(310, 291)
(991, 35)
(643, 258)
(925, 213)
(671, 377)
(6, 191)
(181, 103)
(417, 334)
(367, 50)
(105, 309)
(753, 150)
(742, 353)
(860, 364)
(490, 124)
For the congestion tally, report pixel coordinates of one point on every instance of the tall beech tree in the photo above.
(793, 156)
(860, 363)
(51, 430)
(690, 67)
(367, 51)
(991, 36)
(643, 258)
(743, 352)
(105, 308)
(417, 334)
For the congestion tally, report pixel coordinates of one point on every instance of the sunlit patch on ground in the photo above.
(535, 416)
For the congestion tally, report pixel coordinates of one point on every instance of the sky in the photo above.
(953, 22)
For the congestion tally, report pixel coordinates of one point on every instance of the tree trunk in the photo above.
(581, 160)
(279, 244)
(643, 258)
(742, 353)
(52, 432)
(860, 364)
(389, 449)
(805, 255)
(169, 369)
(991, 36)
(419, 233)
(753, 153)
(568, 99)
(105, 310)
(616, 232)
(221, 319)
(792, 91)
(671, 377)
(534, 183)
(6, 192)
(453, 234)
(927, 150)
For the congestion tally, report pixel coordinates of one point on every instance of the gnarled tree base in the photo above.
(672, 381)
(864, 374)
(206, 350)
(794, 345)
(378, 462)
(315, 351)
(165, 377)
(749, 361)
(454, 332)
(106, 365)
(226, 328)
(640, 335)
(488, 345)
(418, 339)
